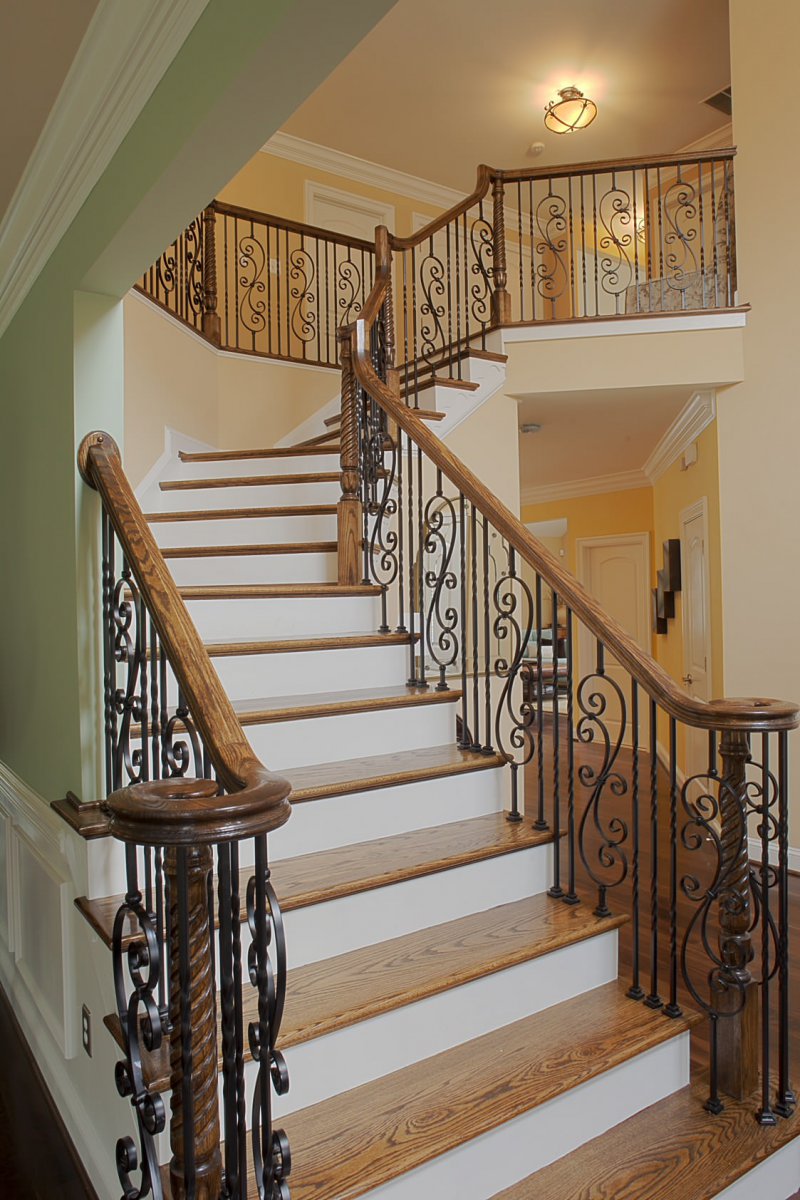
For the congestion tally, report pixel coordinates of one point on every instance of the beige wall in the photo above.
(759, 421)
(174, 379)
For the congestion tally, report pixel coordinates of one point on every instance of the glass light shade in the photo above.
(573, 111)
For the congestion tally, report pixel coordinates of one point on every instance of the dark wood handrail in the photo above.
(487, 175)
(259, 798)
(745, 714)
(315, 231)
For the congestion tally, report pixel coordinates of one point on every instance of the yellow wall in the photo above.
(277, 186)
(674, 491)
(596, 516)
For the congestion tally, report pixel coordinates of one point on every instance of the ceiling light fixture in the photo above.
(573, 111)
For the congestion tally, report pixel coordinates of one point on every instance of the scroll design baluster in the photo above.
(481, 237)
(433, 340)
(515, 712)
(442, 624)
(303, 321)
(142, 1031)
(615, 215)
(552, 275)
(680, 214)
(594, 695)
(271, 1154)
(350, 284)
(379, 468)
(251, 264)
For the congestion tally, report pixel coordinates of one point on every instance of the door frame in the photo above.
(698, 509)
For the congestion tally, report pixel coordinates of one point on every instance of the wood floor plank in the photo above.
(348, 870)
(232, 514)
(385, 770)
(258, 549)
(350, 1144)
(272, 452)
(189, 485)
(302, 643)
(673, 1150)
(365, 983)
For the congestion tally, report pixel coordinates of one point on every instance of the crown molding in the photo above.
(685, 429)
(594, 485)
(718, 139)
(123, 56)
(360, 170)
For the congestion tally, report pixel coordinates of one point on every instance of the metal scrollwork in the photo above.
(142, 1029)
(350, 284)
(432, 310)
(593, 696)
(379, 470)
(482, 241)
(513, 624)
(551, 271)
(680, 211)
(441, 528)
(166, 272)
(615, 217)
(267, 969)
(304, 320)
(193, 257)
(128, 701)
(252, 261)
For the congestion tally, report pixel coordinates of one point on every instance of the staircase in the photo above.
(451, 1028)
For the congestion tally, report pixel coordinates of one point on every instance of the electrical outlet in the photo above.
(274, 266)
(86, 1030)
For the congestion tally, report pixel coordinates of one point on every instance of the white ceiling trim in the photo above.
(685, 429)
(594, 485)
(718, 139)
(123, 56)
(360, 170)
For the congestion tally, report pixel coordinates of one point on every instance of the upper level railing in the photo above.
(555, 685)
(592, 241)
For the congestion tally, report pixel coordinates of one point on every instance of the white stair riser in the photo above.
(231, 468)
(283, 616)
(254, 568)
(339, 926)
(259, 495)
(353, 1056)
(340, 820)
(248, 676)
(246, 531)
(774, 1179)
(322, 931)
(330, 739)
(480, 1168)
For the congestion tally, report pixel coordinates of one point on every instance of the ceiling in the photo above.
(435, 89)
(38, 41)
(586, 434)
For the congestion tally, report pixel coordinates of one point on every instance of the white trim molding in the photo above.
(594, 485)
(685, 429)
(122, 58)
(554, 331)
(360, 170)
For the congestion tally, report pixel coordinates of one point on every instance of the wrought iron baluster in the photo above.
(786, 1098)
(672, 1009)
(653, 999)
(556, 890)
(635, 991)
(571, 896)
(541, 822)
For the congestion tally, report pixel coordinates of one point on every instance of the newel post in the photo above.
(211, 321)
(501, 300)
(736, 998)
(349, 507)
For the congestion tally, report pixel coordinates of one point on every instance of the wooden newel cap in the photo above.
(190, 812)
(757, 714)
(97, 439)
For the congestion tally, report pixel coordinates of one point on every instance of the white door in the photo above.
(696, 608)
(616, 572)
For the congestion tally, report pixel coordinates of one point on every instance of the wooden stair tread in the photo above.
(335, 993)
(302, 642)
(429, 381)
(188, 485)
(273, 452)
(266, 591)
(323, 704)
(360, 1140)
(259, 549)
(231, 514)
(673, 1150)
(426, 414)
(384, 770)
(360, 867)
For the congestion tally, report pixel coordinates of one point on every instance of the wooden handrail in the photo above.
(259, 798)
(315, 231)
(745, 714)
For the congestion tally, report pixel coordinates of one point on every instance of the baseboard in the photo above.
(754, 849)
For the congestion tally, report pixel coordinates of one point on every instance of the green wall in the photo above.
(241, 72)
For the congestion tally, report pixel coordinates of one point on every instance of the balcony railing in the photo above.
(596, 241)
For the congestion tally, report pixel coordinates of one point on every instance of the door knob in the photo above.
(688, 679)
